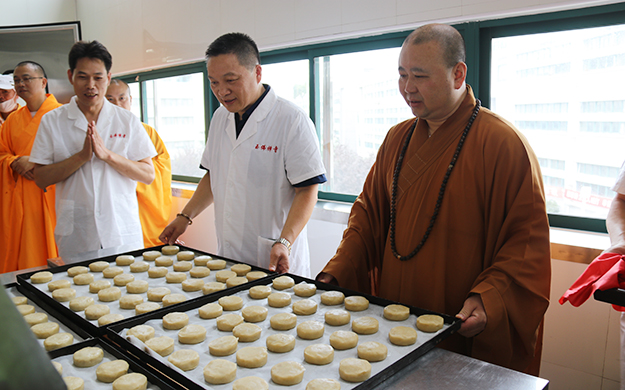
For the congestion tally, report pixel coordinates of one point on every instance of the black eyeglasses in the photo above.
(25, 80)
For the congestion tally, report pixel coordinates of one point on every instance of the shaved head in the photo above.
(449, 39)
(118, 93)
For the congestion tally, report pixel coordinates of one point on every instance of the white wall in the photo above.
(28, 12)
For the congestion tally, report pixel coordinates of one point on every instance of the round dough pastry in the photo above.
(319, 354)
(323, 384)
(57, 341)
(112, 272)
(202, 260)
(199, 272)
(250, 383)
(157, 272)
(252, 357)
(402, 335)
(220, 371)
(337, 317)
(430, 323)
(170, 249)
(162, 345)
(283, 321)
(151, 255)
(41, 277)
(88, 357)
(123, 279)
(305, 290)
(310, 330)
(183, 266)
(227, 322)
(98, 266)
(231, 302)
(110, 294)
(132, 381)
(365, 325)
(224, 275)
(354, 370)
(157, 294)
(95, 287)
(35, 318)
(185, 255)
(305, 307)
(83, 279)
(185, 359)
(175, 320)
(64, 294)
(259, 292)
(130, 301)
(396, 312)
(124, 260)
(80, 303)
(163, 261)
(283, 282)
(372, 351)
(109, 319)
(356, 303)
(142, 332)
(287, 373)
(332, 298)
(137, 287)
(172, 299)
(74, 383)
(57, 284)
(19, 301)
(279, 299)
(210, 310)
(77, 270)
(247, 332)
(343, 339)
(146, 307)
(58, 366)
(192, 334)
(236, 281)
(109, 371)
(255, 275)
(241, 269)
(139, 266)
(280, 343)
(254, 313)
(93, 312)
(25, 309)
(175, 277)
(216, 264)
(190, 285)
(223, 346)
(212, 287)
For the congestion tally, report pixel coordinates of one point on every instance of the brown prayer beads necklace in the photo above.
(441, 192)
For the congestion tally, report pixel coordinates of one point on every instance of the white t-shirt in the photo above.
(96, 207)
(252, 179)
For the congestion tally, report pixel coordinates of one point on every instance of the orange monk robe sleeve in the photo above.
(515, 283)
(155, 199)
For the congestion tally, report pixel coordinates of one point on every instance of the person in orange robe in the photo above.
(27, 213)
(155, 200)
(486, 258)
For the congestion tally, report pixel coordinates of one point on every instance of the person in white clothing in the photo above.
(263, 165)
(95, 152)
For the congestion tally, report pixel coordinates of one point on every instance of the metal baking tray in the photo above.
(156, 381)
(615, 296)
(41, 294)
(401, 356)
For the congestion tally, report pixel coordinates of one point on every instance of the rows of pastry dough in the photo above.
(89, 374)
(107, 302)
(297, 354)
(33, 314)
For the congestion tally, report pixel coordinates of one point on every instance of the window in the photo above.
(290, 81)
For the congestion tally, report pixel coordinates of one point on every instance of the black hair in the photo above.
(94, 50)
(448, 38)
(238, 44)
(35, 65)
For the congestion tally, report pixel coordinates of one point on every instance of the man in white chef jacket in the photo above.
(263, 165)
(95, 152)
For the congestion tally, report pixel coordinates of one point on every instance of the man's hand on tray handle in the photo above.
(473, 316)
(327, 278)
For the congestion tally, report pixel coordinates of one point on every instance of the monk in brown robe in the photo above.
(486, 256)
(27, 213)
